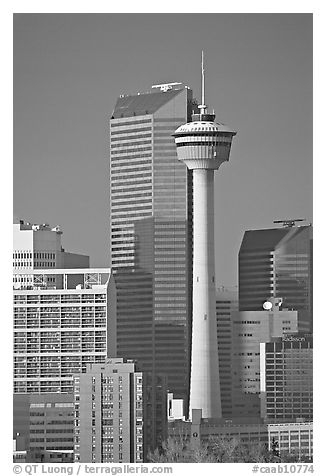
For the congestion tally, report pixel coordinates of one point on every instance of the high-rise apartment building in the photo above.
(121, 413)
(39, 247)
(286, 378)
(276, 262)
(226, 303)
(151, 232)
(59, 329)
(249, 330)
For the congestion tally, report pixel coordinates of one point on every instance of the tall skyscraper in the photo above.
(151, 232)
(59, 329)
(203, 145)
(276, 262)
(121, 413)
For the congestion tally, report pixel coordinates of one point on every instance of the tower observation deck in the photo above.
(203, 145)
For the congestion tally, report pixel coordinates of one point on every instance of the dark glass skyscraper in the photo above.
(151, 232)
(276, 263)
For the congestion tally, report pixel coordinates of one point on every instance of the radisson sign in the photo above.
(293, 339)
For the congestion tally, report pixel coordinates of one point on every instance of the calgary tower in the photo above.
(203, 145)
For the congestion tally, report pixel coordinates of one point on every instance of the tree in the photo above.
(174, 450)
(222, 449)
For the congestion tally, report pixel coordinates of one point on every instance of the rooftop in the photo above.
(143, 103)
(64, 272)
(269, 238)
(35, 226)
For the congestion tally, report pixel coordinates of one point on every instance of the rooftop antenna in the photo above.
(289, 223)
(202, 106)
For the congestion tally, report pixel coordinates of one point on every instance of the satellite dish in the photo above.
(267, 305)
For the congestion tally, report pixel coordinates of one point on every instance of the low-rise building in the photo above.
(290, 438)
(44, 427)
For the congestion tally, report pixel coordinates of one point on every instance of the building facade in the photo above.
(59, 329)
(226, 303)
(44, 427)
(151, 232)
(292, 438)
(121, 413)
(276, 262)
(39, 247)
(249, 330)
(286, 378)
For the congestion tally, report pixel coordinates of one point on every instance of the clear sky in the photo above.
(69, 70)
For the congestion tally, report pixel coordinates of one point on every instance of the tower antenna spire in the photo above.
(202, 107)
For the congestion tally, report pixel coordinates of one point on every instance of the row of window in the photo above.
(37, 264)
(130, 136)
(130, 159)
(30, 255)
(124, 170)
(134, 148)
(131, 177)
(134, 144)
(63, 298)
(135, 164)
(132, 122)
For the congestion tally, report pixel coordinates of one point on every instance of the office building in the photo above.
(121, 413)
(276, 262)
(286, 378)
(39, 247)
(226, 303)
(151, 232)
(43, 427)
(249, 330)
(59, 329)
(203, 145)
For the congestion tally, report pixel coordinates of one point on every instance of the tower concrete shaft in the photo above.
(205, 383)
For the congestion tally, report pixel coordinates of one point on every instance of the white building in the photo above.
(294, 438)
(59, 329)
(249, 330)
(39, 247)
(175, 408)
